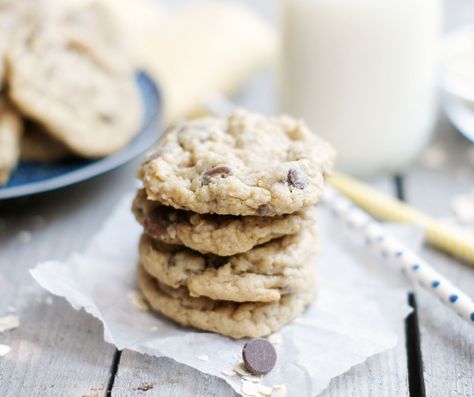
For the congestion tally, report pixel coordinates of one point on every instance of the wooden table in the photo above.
(58, 351)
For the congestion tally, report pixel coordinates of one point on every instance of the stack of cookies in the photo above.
(227, 209)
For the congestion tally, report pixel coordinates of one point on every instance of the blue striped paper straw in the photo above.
(410, 264)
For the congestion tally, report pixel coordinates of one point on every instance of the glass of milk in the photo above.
(362, 73)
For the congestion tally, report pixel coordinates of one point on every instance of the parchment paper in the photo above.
(361, 300)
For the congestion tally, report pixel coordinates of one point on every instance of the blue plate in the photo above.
(31, 178)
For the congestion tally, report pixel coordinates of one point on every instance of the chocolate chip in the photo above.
(156, 223)
(219, 171)
(259, 356)
(265, 210)
(297, 179)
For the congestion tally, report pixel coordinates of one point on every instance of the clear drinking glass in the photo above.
(362, 73)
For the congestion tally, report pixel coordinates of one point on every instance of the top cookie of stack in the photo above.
(245, 164)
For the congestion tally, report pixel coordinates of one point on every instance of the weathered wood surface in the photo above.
(447, 341)
(381, 375)
(163, 377)
(56, 351)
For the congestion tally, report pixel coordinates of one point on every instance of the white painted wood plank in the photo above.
(447, 341)
(56, 351)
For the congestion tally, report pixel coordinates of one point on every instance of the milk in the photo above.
(362, 74)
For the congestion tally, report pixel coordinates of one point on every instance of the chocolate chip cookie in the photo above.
(37, 145)
(222, 235)
(245, 164)
(82, 91)
(263, 274)
(237, 320)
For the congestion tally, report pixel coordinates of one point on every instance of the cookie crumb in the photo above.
(145, 387)
(9, 322)
(228, 372)
(4, 350)
(203, 357)
(275, 339)
(138, 300)
(279, 391)
(24, 236)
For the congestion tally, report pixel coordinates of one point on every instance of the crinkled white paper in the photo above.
(361, 300)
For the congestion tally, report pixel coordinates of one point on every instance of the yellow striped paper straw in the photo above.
(456, 241)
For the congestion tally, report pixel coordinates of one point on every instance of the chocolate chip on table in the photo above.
(297, 179)
(259, 356)
(220, 171)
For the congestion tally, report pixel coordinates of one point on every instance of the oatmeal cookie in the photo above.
(37, 145)
(222, 235)
(237, 320)
(245, 164)
(82, 91)
(263, 274)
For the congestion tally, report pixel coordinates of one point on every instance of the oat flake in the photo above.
(9, 322)
(249, 388)
(228, 372)
(4, 350)
(279, 391)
